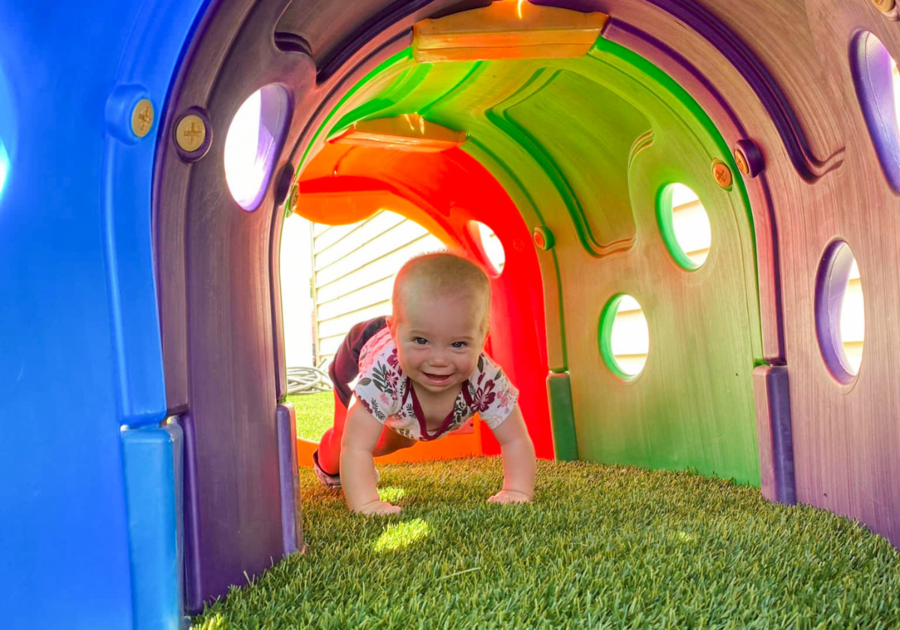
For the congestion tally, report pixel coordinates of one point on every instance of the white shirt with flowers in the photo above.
(388, 394)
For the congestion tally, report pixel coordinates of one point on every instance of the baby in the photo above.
(422, 374)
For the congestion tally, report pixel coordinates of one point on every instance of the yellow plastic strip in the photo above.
(409, 132)
(507, 30)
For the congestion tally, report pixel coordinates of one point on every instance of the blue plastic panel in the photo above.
(154, 484)
(80, 354)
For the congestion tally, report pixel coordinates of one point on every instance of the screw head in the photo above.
(722, 174)
(543, 237)
(884, 5)
(190, 133)
(142, 118)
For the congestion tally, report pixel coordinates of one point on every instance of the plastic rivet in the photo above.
(283, 183)
(722, 174)
(543, 238)
(884, 5)
(741, 160)
(142, 118)
(748, 157)
(190, 133)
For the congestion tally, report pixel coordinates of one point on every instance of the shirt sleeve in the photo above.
(378, 388)
(494, 396)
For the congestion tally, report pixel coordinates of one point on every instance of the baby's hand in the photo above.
(378, 508)
(510, 496)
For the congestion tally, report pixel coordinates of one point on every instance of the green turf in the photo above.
(601, 547)
(315, 413)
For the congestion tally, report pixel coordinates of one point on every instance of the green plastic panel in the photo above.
(585, 147)
(562, 417)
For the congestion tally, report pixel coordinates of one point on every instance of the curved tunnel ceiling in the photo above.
(585, 147)
(577, 122)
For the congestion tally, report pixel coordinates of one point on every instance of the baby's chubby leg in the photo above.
(330, 444)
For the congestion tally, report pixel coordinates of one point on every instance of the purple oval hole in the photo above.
(873, 75)
(253, 143)
(833, 316)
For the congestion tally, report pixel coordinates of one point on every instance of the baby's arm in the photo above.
(518, 460)
(361, 433)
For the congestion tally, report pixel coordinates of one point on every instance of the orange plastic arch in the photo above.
(444, 192)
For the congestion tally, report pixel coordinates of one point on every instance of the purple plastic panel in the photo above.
(215, 289)
(291, 513)
(741, 56)
(217, 265)
(193, 584)
(831, 284)
(870, 63)
(773, 425)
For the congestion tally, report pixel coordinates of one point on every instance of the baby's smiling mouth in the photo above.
(438, 377)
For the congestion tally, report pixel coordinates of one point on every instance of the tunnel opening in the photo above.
(452, 197)
(621, 173)
(563, 156)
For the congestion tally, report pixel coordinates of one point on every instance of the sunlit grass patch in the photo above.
(391, 494)
(399, 535)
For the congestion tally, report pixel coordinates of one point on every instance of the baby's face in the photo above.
(439, 341)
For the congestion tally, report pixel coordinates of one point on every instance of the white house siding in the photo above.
(296, 297)
(354, 267)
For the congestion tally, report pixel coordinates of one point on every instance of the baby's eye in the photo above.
(459, 344)
(421, 341)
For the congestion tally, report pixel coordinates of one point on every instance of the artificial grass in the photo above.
(601, 547)
(314, 414)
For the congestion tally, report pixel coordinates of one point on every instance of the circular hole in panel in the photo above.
(4, 167)
(878, 89)
(685, 225)
(489, 246)
(253, 142)
(8, 131)
(624, 337)
(840, 316)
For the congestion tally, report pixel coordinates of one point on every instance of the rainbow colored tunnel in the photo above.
(148, 458)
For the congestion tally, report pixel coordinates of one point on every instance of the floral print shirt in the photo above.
(388, 394)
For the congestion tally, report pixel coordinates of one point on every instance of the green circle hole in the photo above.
(624, 337)
(685, 225)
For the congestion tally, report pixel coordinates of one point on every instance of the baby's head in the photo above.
(442, 305)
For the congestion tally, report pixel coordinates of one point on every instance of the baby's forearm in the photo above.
(358, 477)
(519, 466)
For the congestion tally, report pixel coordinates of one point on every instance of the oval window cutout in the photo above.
(8, 132)
(489, 246)
(685, 226)
(624, 337)
(877, 87)
(253, 143)
(4, 167)
(840, 313)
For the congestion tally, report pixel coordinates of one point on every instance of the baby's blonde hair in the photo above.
(442, 273)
